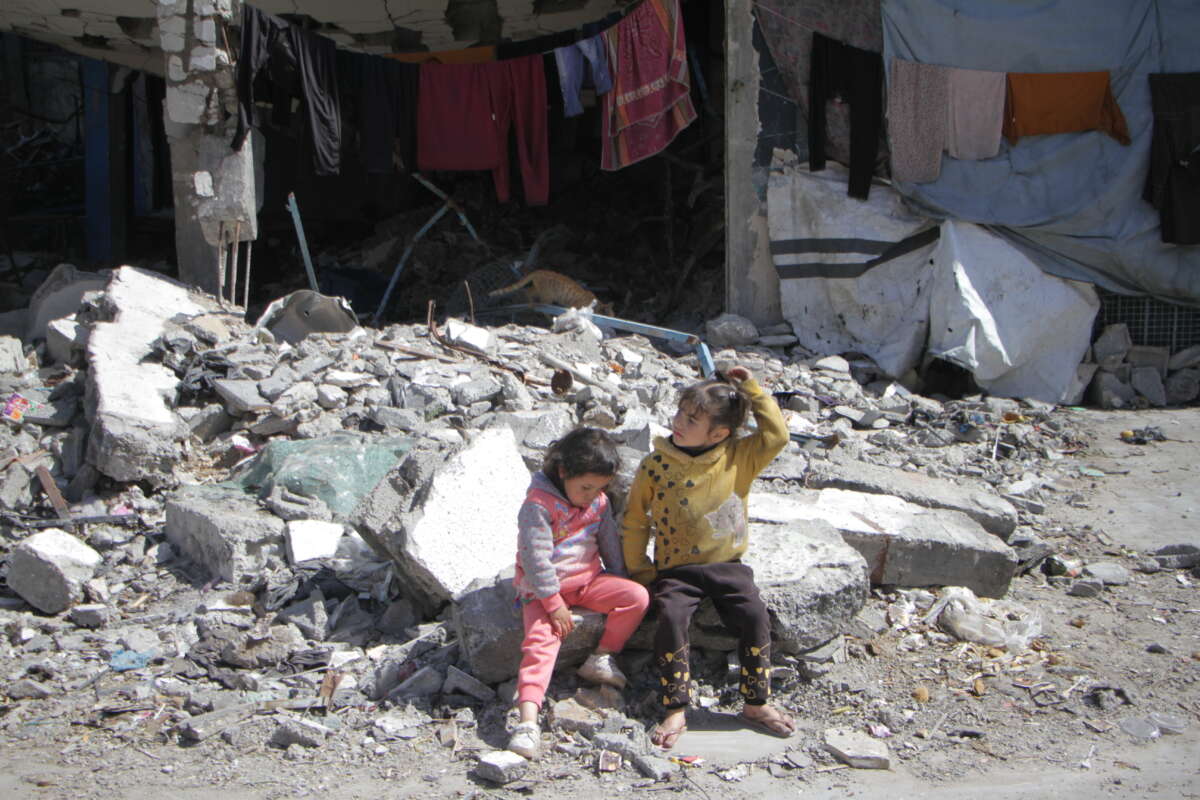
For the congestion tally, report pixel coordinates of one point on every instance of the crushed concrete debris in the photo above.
(299, 545)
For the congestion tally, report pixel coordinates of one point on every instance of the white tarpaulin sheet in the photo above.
(853, 274)
(1021, 331)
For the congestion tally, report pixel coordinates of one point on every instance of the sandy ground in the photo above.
(999, 743)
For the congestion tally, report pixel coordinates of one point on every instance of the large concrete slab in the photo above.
(812, 582)
(135, 433)
(903, 544)
(448, 516)
(225, 533)
(994, 513)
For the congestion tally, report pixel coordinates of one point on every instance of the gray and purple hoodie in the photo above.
(560, 546)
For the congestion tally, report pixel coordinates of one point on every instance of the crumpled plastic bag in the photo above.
(997, 623)
(339, 469)
(578, 319)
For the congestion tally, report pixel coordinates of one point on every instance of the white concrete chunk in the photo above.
(225, 532)
(903, 544)
(66, 340)
(308, 539)
(857, 749)
(479, 339)
(135, 433)
(49, 568)
(501, 766)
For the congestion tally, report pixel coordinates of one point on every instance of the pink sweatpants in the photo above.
(623, 600)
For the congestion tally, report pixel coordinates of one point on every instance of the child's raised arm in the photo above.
(635, 529)
(755, 451)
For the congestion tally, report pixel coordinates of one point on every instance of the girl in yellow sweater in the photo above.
(689, 495)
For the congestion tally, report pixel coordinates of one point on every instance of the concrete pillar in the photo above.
(751, 285)
(214, 185)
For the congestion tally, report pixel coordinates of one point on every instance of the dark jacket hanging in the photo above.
(855, 76)
(292, 53)
(1173, 185)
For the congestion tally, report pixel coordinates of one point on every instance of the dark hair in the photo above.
(580, 452)
(725, 404)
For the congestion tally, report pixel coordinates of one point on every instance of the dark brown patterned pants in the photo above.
(676, 594)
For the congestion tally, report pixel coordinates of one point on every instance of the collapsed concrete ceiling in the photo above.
(126, 31)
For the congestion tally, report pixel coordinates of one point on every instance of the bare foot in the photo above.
(768, 719)
(667, 732)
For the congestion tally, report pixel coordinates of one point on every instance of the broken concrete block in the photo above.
(26, 689)
(208, 422)
(1148, 383)
(994, 513)
(730, 330)
(536, 429)
(1185, 358)
(135, 434)
(1141, 355)
(425, 682)
(481, 340)
(225, 532)
(460, 682)
(12, 355)
(1177, 556)
(653, 767)
(857, 749)
(480, 389)
(501, 766)
(903, 544)
(832, 364)
(241, 397)
(570, 716)
(404, 419)
(812, 582)
(309, 616)
(60, 295)
(474, 491)
(92, 615)
(251, 652)
(1109, 391)
(299, 731)
(48, 570)
(1107, 572)
(1183, 387)
(308, 539)
(489, 627)
(1113, 344)
(66, 341)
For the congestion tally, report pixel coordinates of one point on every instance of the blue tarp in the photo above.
(1072, 202)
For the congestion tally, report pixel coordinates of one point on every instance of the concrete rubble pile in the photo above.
(260, 531)
(1125, 375)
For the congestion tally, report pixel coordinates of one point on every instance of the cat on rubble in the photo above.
(554, 288)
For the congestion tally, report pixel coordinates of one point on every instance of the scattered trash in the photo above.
(1143, 435)
(999, 623)
(124, 660)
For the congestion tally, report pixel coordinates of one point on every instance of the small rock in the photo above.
(857, 749)
(1140, 728)
(568, 715)
(1178, 556)
(1085, 588)
(730, 330)
(653, 767)
(1156, 648)
(48, 569)
(1111, 574)
(92, 615)
(26, 689)
(297, 731)
(833, 364)
(501, 766)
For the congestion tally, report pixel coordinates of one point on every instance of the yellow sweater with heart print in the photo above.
(695, 506)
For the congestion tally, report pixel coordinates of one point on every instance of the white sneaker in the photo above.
(525, 740)
(602, 669)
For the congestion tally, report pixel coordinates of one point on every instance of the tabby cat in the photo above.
(547, 286)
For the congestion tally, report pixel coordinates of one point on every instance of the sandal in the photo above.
(666, 739)
(779, 724)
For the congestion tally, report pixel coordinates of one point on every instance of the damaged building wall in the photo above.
(214, 185)
(752, 288)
